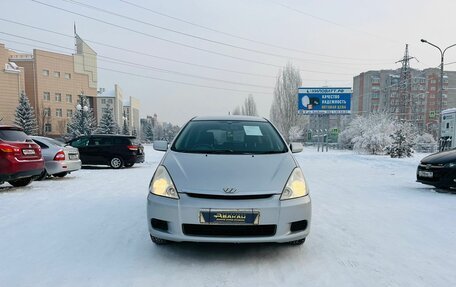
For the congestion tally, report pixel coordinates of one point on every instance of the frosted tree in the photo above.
(249, 108)
(284, 109)
(134, 132)
(107, 124)
(237, 111)
(402, 141)
(149, 133)
(125, 129)
(25, 115)
(83, 121)
(296, 133)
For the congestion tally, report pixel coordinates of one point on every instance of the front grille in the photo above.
(229, 197)
(229, 230)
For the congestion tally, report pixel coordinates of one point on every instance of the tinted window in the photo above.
(13, 136)
(122, 140)
(55, 142)
(41, 144)
(229, 137)
(81, 142)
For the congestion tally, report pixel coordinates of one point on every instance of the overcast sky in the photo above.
(330, 41)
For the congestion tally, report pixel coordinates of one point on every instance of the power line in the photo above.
(206, 39)
(236, 36)
(156, 78)
(179, 43)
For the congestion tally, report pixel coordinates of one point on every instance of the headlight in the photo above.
(296, 186)
(451, 164)
(162, 185)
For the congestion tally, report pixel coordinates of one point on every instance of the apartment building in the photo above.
(114, 99)
(131, 113)
(11, 86)
(54, 83)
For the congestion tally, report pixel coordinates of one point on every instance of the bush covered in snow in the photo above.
(402, 143)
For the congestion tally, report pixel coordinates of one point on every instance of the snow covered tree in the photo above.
(402, 141)
(134, 132)
(284, 109)
(149, 133)
(107, 123)
(296, 133)
(25, 115)
(125, 129)
(83, 121)
(237, 111)
(249, 108)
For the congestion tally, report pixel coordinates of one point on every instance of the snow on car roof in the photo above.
(229, 118)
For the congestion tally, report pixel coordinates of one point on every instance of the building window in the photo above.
(46, 96)
(103, 101)
(57, 74)
(433, 81)
(46, 73)
(47, 112)
(58, 97)
(110, 101)
(47, 128)
(69, 98)
(69, 113)
(68, 76)
(432, 88)
(58, 113)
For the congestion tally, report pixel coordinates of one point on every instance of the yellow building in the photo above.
(11, 86)
(54, 82)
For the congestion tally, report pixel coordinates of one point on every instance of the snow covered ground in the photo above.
(372, 226)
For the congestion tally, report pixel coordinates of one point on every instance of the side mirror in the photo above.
(160, 145)
(296, 147)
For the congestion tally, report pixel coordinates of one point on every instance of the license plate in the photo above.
(28, 151)
(73, 156)
(214, 216)
(423, 173)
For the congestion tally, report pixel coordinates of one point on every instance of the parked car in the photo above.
(60, 159)
(113, 150)
(228, 179)
(20, 157)
(438, 169)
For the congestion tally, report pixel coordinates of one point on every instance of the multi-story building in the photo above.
(54, 83)
(131, 114)
(416, 99)
(114, 99)
(11, 86)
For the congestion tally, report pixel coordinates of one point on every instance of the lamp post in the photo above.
(82, 108)
(442, 54)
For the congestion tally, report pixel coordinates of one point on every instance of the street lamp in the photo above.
(82, 109)
(442, 54)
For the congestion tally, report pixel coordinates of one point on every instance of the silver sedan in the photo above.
(228, 179)
(60, 159)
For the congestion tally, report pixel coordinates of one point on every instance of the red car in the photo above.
(20, 157)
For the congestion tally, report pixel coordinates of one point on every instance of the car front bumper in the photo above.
(179, 216)
(442, 177)
(59, 166)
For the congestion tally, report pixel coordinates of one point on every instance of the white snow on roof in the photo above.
(108, 93)
(449, 111)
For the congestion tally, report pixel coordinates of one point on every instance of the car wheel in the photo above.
(129, 164)
(158, 241)
(116, 162)
(297, 242)
(42, 176)
(20, 182)
(62, 174)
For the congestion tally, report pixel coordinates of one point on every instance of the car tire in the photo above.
(297, 242)
(129, 164)
(158, 241)
(42, 176)
(62, 174)
(21, 182)
(116, 162)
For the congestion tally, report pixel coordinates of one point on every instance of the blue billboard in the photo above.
(324, 100)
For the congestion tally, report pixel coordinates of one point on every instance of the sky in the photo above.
(204, 57)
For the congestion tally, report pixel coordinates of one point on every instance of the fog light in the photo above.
(159, 224)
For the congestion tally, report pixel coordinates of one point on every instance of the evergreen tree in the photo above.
(402, 142)
(25, 115)
(83, 121)
(149, 133)
(107, 124)
(133, 132)
(125, 129)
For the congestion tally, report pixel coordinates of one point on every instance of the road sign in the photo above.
(324, 100)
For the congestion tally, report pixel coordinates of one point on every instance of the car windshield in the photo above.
(13, 136)
(229, 137)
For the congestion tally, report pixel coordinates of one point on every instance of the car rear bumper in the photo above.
(59, 166)
(20, 174)
(441, 177)
(12, 168)
(179, 220)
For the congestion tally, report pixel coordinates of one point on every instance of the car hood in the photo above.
(440, 157)
(211, 173)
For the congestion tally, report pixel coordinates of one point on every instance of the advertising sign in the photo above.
(324, 100)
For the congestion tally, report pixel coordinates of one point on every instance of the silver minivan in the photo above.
(228, 179)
